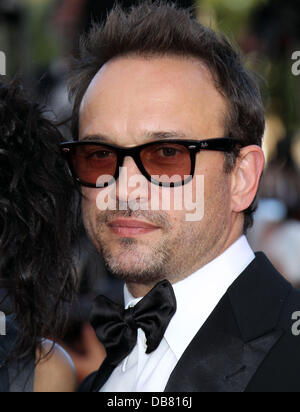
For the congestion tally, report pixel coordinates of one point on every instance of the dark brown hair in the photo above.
(38, 219)
(161, 28)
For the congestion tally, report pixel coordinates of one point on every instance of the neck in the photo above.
(141, 290)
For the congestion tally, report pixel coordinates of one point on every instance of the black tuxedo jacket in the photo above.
(246, 345)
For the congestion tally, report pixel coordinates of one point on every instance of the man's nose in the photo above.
(132, 186)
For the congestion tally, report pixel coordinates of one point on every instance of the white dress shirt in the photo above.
(197, 296)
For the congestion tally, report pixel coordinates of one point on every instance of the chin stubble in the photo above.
(174, 257)
(142, 268)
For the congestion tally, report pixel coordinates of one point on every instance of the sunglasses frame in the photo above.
(223, 144)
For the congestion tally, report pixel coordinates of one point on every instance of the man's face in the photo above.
(130, 102)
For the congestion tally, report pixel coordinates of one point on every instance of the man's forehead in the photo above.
(148, 68)
(158, 94)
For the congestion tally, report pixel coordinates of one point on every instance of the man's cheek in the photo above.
(187, 201)
(194, 199)
(89, 195)
(89, 212)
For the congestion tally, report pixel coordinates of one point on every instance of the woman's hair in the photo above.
(38, 214)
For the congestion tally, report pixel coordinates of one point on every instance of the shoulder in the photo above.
(280, 370)
(55, 372)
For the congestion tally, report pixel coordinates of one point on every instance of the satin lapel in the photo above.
(232, 344)
(102, 376)
(218, 360)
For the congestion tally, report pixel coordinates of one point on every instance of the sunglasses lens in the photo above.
(167, 162)
(94, 165)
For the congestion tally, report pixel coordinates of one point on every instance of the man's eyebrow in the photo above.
(96, 138)
(161, 135)
(157, 135)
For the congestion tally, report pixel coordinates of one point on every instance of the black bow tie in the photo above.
(117, 328)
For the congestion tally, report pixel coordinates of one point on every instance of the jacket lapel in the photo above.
(228, 350)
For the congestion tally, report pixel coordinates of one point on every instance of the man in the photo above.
(162, 100)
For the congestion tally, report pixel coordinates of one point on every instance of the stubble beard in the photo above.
(132, 266)
(178, 254)
(173, 259)
(134, 260)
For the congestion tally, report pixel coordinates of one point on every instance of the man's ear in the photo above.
(245, 177)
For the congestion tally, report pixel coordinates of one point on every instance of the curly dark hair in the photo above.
(161, 28)
(38, 219)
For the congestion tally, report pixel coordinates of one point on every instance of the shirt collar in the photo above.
(198, 295)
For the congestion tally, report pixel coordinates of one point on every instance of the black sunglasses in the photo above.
(167, 163)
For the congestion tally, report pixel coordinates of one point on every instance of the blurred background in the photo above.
(39, 37)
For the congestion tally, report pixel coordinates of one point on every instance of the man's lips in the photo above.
(131, 228)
